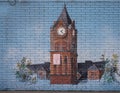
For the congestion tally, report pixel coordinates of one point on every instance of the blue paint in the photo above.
(25, 29)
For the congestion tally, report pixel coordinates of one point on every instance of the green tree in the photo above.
(110, 68)
(23, 73)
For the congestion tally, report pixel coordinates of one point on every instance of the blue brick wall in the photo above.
(25, 28)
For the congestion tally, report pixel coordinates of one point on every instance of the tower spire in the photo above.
(64, 17)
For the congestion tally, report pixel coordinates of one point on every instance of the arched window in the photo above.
(64, 46)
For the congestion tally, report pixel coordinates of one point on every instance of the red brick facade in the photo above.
(93, 75)
(62, 79)
(66, 46)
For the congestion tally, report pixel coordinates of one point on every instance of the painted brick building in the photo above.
(94, 73)
(63, 54)
(88, 68)
(42, 70)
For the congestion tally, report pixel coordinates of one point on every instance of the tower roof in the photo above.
(93, 67)
(64, 17)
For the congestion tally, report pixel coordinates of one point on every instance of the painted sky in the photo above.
(25, 28)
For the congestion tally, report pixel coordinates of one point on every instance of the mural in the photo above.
(59, 45)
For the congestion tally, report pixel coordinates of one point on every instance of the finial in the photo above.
(64, 4)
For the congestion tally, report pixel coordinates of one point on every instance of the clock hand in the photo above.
(61, 31)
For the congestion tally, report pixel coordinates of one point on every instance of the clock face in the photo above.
(61, 31)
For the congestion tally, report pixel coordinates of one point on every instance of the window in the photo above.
(56, 59)
(60, 46)
(60, 59)
(71, 60)
(64, 48)
(65, 59)
(93, 75)
(54, 69)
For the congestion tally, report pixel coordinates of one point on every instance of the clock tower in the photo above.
(63, 50)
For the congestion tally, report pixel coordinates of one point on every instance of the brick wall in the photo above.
(25, 27)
